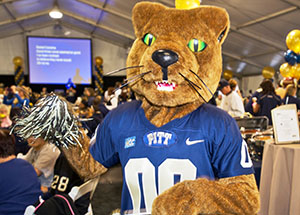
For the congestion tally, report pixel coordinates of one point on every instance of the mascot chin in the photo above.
(179, 155)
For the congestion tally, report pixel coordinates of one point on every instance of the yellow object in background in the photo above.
(268, 72)
(285, 70)
(293, 41)
(18, 61)
(188, 4)
(98, 61)
(227, 74)
(296, 71)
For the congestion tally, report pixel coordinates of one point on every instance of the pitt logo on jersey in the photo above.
(160, 138)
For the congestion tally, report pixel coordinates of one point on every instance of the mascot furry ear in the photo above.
(171, 136)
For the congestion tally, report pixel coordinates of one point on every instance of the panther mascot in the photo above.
(179, 155)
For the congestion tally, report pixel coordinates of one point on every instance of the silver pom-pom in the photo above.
(52, 119)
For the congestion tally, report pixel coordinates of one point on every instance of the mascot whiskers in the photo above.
(179, 155)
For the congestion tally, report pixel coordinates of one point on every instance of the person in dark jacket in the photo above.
(266, 100)
(19, 184)
(95, 119)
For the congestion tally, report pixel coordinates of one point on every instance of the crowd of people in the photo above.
(259, 103)
(44, 164)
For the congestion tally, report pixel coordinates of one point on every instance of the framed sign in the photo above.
(286, 124)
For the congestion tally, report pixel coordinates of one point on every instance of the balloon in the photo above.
(296, 71)
(18, 61)
(227, 74)
(285, 70)
(187, 4)
(293, 41)
(98, 61)
(290, 57)
(268, 72)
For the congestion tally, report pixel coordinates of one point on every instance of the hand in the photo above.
(13, 88)
(176, 200)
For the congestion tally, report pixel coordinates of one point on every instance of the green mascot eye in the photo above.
(149, 39)
(196, 45)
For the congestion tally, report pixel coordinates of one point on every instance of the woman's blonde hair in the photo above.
(24, 90)
(290, 90)
(232, 84)
(5, 107)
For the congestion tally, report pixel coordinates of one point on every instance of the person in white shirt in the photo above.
(42, 155)
(231, 102)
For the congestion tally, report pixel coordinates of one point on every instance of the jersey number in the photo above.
(246, 161)
(166, 172)
(60, 183)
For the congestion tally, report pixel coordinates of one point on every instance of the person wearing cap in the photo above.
(231, 101)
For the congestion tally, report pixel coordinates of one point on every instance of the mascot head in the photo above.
(180, 51)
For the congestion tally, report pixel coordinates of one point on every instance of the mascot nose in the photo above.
(164, 57)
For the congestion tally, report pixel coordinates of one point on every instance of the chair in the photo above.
(89, 186)
(256, 123)
(75, 193)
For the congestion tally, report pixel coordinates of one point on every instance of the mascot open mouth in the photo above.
(165, 86)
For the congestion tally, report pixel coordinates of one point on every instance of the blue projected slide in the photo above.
(56, 60)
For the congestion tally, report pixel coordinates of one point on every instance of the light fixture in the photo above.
(55, 13)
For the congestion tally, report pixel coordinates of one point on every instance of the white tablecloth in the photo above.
(280, 180)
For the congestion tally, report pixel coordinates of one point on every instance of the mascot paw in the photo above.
(232, 195)
(176, 200)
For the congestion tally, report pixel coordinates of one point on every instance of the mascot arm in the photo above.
(82, 161)
(233, 195)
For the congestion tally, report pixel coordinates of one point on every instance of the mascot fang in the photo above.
(179, 155)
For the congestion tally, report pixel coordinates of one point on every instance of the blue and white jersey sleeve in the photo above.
(103, 149)
(231, 157)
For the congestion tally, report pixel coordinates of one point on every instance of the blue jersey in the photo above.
(205, 143)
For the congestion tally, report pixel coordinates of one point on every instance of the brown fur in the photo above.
(82, 161)
(173, 30)
(235, 195)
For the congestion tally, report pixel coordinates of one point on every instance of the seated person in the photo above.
(42, 156)
(5, 121)
(74, 164)
(95, 119)
(19, 183)
(65, 178)
(16, 96)
(84, 110)
(21, 145)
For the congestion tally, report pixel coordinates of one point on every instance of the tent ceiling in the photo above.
(256, 39)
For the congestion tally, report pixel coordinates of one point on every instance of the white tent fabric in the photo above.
(256, 39)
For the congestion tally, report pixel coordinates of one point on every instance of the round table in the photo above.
(280, 179)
